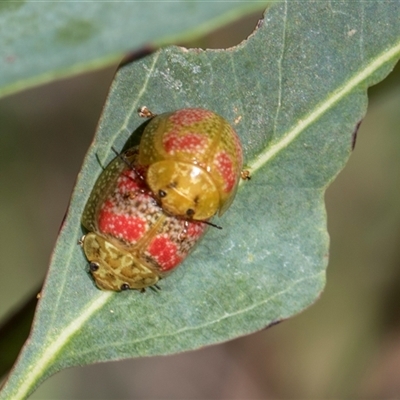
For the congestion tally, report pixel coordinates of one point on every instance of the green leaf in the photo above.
(295, 91)
(40, 43)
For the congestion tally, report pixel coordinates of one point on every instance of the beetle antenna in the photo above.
(127, 162)
(98, 160)
(120, 156)
(211, 224)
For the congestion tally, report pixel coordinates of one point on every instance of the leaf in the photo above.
(296, 92)
(40, 44)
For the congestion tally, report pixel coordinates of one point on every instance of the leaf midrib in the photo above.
(303, 123)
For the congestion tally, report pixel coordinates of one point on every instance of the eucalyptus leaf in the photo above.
(295, 92)
(40, 43)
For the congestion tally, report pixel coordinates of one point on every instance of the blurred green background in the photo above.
(347, 345)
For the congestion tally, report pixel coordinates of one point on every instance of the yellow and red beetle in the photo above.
(193, 160)
(132, 242)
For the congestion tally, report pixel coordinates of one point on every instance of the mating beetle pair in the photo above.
(151, 205)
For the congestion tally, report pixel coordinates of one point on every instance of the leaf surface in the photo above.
(295, 91)
(41, 41)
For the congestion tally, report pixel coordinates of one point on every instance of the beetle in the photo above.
(131, 242)
(193, 160)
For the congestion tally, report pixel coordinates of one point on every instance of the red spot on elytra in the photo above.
(165, 252)
(128, 228)
(128, 182)
(238, 147)
(188, 143)
(224, 166)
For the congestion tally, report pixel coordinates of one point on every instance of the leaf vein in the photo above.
(324, 106)
(280, 62)
(209, 323)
